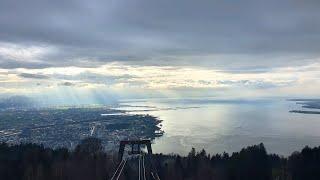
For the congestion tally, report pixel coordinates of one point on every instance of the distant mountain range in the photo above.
(17, 102)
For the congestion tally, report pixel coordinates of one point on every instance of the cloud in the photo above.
(20, 52)
(138, 81)
(33, 76)
(210, 33)
(66, 84)
(13, 64)
(96, 78)
(258, 84)
(160, 46)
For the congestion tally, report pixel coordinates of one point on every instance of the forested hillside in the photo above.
(89, 162)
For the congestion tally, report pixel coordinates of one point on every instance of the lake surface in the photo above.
(229, 125)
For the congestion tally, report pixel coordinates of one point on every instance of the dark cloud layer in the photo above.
(94, 78)
(245, 33)
(66, 84)
(33, 76)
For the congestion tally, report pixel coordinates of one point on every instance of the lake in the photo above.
(229, 125)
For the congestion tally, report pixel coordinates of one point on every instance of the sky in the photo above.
(92, 51)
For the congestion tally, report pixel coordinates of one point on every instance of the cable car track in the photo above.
(142, 168)
(119, 170)
(143, 174)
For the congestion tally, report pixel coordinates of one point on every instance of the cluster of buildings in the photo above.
(66, 127)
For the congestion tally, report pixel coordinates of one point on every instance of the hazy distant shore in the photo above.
(305, 112)
(307, 104)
